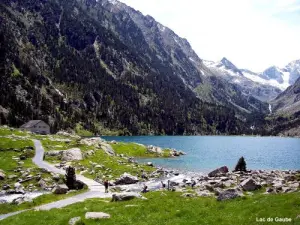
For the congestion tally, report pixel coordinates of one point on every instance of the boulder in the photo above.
(60, 189)
(149, 164)
(73, 154)
(249, 185)
(221, 170)
(229, 194)
(42, 184)
(294, 185)
(2, 175)
(79, 185)
(74, 220)
(153, 149)
(125, 196)
(108, 149)
(5, 187)
(54, 153)
(126, 179)
(92, 141)
(97, 215)
(21, 200)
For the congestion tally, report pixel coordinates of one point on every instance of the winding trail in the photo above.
(96, 190)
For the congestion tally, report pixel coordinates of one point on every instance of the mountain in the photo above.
(188, 66)
(282, 77)
(286, 112)
(104, 67)
(247, 82)
(288, 102)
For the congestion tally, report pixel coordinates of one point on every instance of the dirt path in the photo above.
(96, 190)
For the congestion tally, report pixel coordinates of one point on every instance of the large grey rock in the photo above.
(154, 150)
(74, 220)
(229, 194)
(21, 200)
(125, 196)
(249, 185)
(294, 185)
(54, 153)
(221, 170)
(108, 149)
(97, 215)
(42, 184)
(60, 189)
(73, 154)
(126, 178)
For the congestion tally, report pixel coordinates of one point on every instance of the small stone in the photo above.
(97, 215)
(5, 187)
(129, 206)
(74, 220)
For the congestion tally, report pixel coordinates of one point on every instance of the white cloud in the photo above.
(244, 31)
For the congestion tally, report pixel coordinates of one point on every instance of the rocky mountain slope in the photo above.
(188, 66)
(100, 64)
(285, 119)
(282, 77)
(264, 86)
(246, 81)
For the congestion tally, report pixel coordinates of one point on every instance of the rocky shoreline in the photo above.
(221, 183)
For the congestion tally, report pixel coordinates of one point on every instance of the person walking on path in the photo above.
(106, 186)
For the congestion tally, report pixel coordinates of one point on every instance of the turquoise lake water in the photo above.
(205, 153)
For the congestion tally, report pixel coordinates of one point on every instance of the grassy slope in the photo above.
(173, 209)
(8, 165)
(41, 200)
(100, 157)
(136, 150)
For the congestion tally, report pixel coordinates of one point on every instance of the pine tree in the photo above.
(241, 165)
(70, 177)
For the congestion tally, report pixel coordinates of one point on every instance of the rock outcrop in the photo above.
(221, 170)
(73, 154)
(249, 185)
(229, 194)
(126, 178)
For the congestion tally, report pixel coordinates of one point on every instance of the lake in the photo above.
(205, 153)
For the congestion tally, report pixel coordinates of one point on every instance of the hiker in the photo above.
(168, 185)
(145, 189)
(163, 185)
(193, 183)
(106, 186)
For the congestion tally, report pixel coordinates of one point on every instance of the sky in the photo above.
(253, 34)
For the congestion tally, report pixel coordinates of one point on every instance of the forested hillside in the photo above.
(78, 63)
